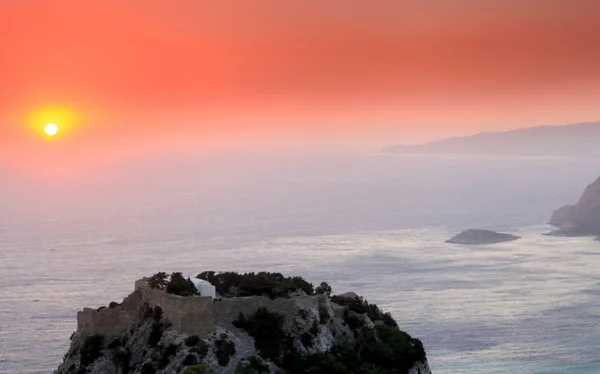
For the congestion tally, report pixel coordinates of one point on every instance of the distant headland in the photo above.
(581, 219)
(576, 140)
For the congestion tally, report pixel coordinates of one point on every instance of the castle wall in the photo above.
(197, 315)
(110, 321)
(227, 310)
(191, 315)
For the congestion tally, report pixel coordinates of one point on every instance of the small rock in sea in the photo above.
(481, 237)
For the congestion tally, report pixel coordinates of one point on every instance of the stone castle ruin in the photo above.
(192, 315)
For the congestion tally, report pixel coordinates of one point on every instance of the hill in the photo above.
(582, 218)
(280, 325)
(577, 140)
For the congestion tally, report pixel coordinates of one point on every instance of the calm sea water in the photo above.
(373, 224)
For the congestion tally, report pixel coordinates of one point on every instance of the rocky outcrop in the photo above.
(471, 237)
(581, 219)
(147, 333)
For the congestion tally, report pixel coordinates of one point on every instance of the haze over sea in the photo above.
(370, 223)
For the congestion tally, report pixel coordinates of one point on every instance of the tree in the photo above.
(179, 285)
(324, 289)
(158, 280)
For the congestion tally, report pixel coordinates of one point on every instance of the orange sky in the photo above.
(379, 71)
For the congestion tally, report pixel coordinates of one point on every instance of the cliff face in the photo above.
(155, 332)
(582, 218)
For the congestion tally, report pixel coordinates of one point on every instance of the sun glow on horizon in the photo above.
(53, 121)
(51, 129)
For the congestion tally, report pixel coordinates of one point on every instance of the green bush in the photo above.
(253, 365)
(382, 350)
(192, 340)
(167, 353)
(148, 368)
(158, 281)
(190, 359)
(155, 334)
(199, 369)
(273, 285)
(224, 349)
(324, 288)
(354, 322)
(267, 330)
(121, 357)
(324, 316)
(201, 349)
(178, 285)
(92, 349)
(363, 307)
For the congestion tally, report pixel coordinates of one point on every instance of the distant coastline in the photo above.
(541, 142)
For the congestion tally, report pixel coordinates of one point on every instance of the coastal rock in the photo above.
(155, 332)
(581, 219)
(473, 236)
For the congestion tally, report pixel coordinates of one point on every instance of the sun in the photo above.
(51, 129)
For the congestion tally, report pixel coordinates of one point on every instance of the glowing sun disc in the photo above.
(51, 129)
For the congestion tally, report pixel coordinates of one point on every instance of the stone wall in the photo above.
(190, 315)
(227, 310)
(110, 321)
(195, 315)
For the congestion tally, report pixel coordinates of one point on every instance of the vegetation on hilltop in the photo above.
(273, 285)
(175, 284)
(383, 349)
(362, 340)
(363, 307)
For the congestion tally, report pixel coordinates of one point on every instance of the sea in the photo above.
(365, 222)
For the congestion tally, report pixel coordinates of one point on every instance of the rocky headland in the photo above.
(257, 323)
(581, 219)
(473, 237)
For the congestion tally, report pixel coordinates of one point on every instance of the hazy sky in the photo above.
(376, 71)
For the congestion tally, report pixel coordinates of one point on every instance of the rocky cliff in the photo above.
(582, 218)
(300, 333)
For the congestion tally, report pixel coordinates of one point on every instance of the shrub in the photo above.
(363, 307)
(303, 313)
(157, 313)
(190, 359)
(354, 322)
(201, 349)
(258, 364)
(324, 316)
(148, 368)
(192, 340)
(178, 285)
(267, 330)
(158, 281)
(223, 349)
(253, 365)
(231, 284)
(121, 357)
(307, 339)
(391, 349)
(199, 369)
(114, 344)
(382, 350)
(155, 334)
(324, 288)
(91, 349)
(167, 353)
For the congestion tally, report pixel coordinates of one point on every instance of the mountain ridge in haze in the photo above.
(575, 140)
